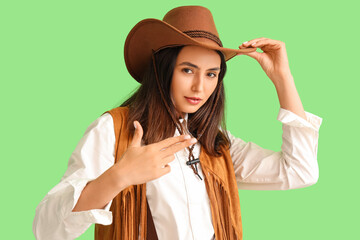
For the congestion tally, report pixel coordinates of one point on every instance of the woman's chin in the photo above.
(190, 110)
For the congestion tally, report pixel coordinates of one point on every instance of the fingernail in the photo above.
(134, 125)
(244, 42)
(193, 140)
(187, 137)
(253, 44)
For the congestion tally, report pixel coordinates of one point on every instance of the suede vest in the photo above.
(130, 209)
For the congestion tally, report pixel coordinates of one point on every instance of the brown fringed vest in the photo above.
(129, 207)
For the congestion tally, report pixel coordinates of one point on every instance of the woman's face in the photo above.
(195, 78)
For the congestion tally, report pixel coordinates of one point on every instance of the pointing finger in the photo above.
(170, 141)
(177, 147)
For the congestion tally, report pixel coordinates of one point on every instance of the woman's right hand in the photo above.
(140, 164)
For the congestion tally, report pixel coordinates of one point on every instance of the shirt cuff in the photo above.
(88, 217)
(287, 117)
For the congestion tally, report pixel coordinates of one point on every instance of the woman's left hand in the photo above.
(273, 59)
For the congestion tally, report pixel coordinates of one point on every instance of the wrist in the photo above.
(283, 81)
(119, 177)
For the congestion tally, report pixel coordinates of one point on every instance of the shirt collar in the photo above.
(181, 120)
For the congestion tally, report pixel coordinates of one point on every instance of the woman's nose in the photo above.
(197, 84)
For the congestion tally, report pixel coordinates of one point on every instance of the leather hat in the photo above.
(186, 25)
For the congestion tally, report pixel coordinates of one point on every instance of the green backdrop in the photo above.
(62, 66)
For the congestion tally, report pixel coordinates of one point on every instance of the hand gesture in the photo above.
(273, 59)
(141, 164)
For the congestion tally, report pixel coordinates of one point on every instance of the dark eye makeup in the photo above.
(188, 70)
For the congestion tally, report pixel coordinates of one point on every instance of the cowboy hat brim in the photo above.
(151, 35)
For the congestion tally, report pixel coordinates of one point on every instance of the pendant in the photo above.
(190, 162)
(195, 161)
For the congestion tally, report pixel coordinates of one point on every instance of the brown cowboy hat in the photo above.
(186, 25)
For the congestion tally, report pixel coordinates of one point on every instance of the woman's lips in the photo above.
(193, 101)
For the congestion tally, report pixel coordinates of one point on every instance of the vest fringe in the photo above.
(219, 197)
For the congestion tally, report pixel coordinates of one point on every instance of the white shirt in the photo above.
(184, 211)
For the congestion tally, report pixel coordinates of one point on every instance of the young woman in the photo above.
(163, 165)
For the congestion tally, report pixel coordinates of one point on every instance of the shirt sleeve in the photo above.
(93, 155)
(295, 166)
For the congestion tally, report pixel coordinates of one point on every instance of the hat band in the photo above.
(203, 34)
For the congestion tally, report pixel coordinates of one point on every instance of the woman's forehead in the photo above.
(200, 55)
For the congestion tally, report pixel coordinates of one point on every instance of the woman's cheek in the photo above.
(211, 90)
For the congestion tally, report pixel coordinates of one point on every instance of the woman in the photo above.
(163, 165)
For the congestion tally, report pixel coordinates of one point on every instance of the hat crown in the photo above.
(193, 19)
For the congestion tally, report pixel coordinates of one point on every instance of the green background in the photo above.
(62, 66)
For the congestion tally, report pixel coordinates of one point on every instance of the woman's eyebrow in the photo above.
(194, 66)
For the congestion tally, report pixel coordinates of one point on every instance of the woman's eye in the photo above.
(187, 70)
(212, 75)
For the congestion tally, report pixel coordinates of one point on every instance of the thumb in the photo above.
(255, 55)
(136, 141)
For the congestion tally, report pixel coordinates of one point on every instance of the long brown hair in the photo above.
(146, 105)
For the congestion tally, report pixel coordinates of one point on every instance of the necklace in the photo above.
(192, 162)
